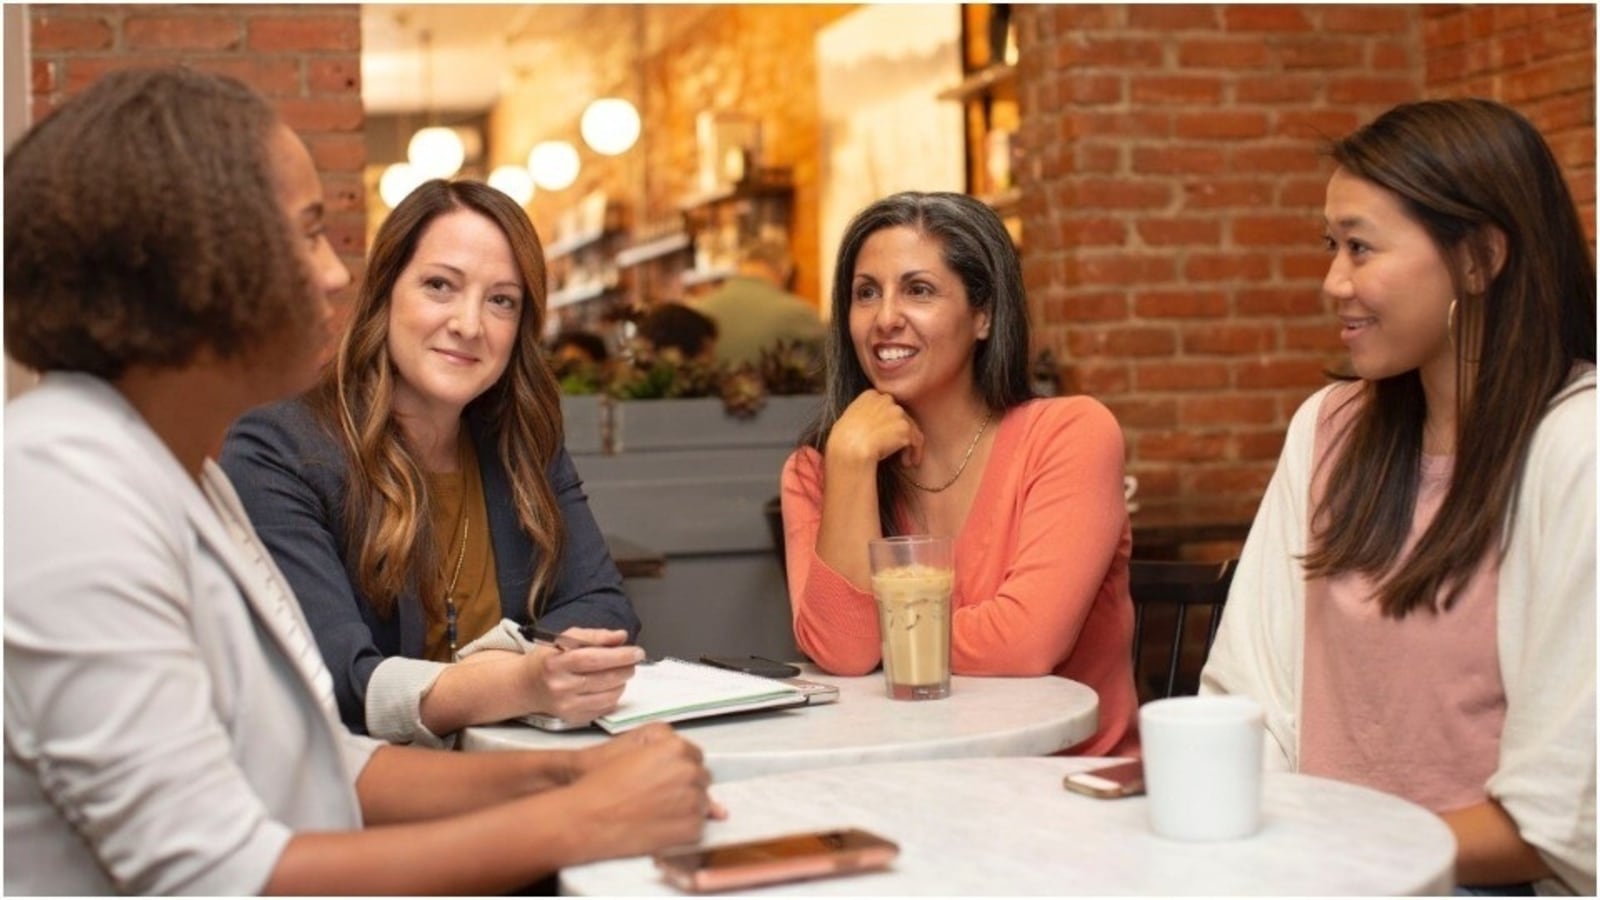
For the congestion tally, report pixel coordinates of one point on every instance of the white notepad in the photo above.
(672, 690)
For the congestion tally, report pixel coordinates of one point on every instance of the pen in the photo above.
(551, 639)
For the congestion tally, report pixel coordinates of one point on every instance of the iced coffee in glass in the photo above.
(912, 580)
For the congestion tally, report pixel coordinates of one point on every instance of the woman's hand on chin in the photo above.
(875, 427)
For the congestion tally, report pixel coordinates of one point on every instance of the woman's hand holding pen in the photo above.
(580, 675)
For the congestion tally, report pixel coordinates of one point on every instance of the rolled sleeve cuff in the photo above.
(505, 636)
(394, 702)
(247, 869)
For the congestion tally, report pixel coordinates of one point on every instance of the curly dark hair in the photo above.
(143, 224)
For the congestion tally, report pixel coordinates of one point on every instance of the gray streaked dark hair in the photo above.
(975, 245)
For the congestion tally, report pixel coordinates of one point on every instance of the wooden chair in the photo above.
(1164, 592)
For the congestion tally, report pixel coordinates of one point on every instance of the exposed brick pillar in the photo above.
(1537, 58)
(1172, 217)
(305, 59)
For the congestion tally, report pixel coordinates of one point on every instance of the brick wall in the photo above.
(1171, 218)
(1537, 58)
(305, 59)
(1173, 196)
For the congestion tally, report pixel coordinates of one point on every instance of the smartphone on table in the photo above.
(1120, 780)
(792, 857)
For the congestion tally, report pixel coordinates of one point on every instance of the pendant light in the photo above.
(553, 164)
(435, 151)
(398, 181)
(513, 181)
(610, 126)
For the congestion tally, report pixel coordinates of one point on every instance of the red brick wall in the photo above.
(1173, 196)
(1171, 220)
(306, 59)
(1537, 58)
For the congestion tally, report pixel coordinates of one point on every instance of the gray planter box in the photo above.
(687, 480)
(583, 418)
(702, 422)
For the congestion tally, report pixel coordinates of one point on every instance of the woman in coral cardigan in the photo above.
(929, 426)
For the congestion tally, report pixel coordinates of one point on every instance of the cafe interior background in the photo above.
(1157, 165)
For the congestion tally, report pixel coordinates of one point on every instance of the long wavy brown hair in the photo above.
(388, 527)
(1461, 168)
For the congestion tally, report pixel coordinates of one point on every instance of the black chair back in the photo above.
(1163, 594)
(773, 510)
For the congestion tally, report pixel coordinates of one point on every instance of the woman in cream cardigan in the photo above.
(1415, 604)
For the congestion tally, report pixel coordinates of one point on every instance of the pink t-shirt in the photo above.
(1041, 565)
(1412, 707)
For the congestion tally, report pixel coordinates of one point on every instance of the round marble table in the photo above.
(981, 717)
(1006, 826)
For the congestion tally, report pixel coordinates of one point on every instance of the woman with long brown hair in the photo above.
(169, 725)
(420, 500)
(1414, 607)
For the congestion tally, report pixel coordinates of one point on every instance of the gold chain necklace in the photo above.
(450, 592)
(959, 469)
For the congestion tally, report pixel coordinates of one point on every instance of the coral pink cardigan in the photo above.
(1041, 566)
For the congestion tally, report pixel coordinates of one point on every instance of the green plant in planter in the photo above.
(577, 377)
(790, 367)
(743, 392)
(648, 374)
(644, 373)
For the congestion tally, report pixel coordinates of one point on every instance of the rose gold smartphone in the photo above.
(1121, 780)
(788, 858)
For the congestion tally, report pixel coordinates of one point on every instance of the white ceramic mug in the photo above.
(1202, 766)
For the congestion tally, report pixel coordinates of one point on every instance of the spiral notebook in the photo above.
(672, 690)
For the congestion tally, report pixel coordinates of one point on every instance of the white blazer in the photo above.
(168, 720)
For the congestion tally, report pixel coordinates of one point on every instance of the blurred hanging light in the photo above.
(513, 181)
(397, 182)
(610, 125)
(553, 164)
(436, 152)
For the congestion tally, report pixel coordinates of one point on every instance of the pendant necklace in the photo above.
(450, 592)
(959, 469)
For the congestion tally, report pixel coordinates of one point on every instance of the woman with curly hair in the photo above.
(420, 500)
(169, 725)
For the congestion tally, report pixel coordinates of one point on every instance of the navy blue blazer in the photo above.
(291, 476)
